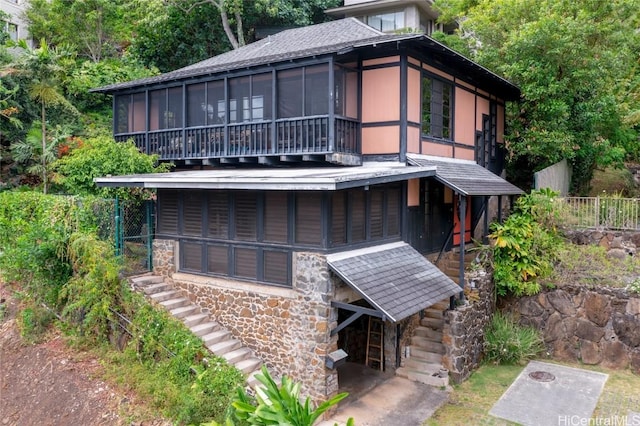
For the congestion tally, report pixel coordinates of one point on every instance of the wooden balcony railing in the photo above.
(309, 135)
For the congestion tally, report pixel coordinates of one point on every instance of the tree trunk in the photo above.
(227, 28)
(44, 149)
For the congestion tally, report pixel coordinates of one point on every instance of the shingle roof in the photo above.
(331, 37)
(465, 177)
(394, 278)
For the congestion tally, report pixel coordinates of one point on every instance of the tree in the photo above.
(97, 29)
(296, 12)
(43, 70)
(99, 157)
(224, 7)
(575, 63)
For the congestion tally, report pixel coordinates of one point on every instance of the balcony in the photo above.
(267, 142)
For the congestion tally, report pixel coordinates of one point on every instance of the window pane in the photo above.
(168, 212)
(290, 93)
(316, 90)
(138, 113)
(376, 217)
(426, 105)
(158, 107)
(239, 100)
(338, 219)
(275, 217)
(173, 115)
(122, 115)
(436, 108)
(196, 106)
(393, 212)
(276, 267)
(308, 225)
(246, 263)
(218, 259)
(216, 104)
(245, 216)
(192, 213)
(218, 210)
(261, 97)
(358, 216)
(191, 256)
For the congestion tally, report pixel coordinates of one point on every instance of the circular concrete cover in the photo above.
(542, 376)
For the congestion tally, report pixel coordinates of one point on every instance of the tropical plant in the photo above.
(277, 405)
(508, 343)
(43, 70)
(525, 245)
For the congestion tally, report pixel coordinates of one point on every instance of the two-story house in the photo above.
(393, 16)
(315, 169)
(14, 25)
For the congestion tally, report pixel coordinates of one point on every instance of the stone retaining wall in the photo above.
(289, 328)
(619, 244)
(592, 325)
(463, 333)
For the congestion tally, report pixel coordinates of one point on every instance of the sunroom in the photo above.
(294, 112)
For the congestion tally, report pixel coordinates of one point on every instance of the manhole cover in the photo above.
(542, 376)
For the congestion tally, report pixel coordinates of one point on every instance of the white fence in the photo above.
(600, 212)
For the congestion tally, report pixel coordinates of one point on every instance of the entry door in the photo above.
(436, 206)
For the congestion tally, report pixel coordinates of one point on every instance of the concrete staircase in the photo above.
(424, 363)
(215, 337)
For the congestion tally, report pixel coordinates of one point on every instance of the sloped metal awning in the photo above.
(465, 177)
(394, 278)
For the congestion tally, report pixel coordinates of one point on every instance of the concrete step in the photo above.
(161, 296)
(179, 302)
(195, 319)
(225, 346)
(204, 328)
(422, 366)
(434, 313)
(427, 345)
(433, 323)
(237, 355)
(428, 333)
(184, 311)
(146, 280)
(425, 356)
(442, 305)
(252, 381)
(215, 337)
(248, 365)
(429, 379)
(156, 288)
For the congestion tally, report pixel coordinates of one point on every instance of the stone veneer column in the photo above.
(164, 257)
(288, 328)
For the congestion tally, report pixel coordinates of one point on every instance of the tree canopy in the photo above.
(577, 66)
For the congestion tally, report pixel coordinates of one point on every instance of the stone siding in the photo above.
(463, 332)
(619, 244)
(597, 326)
(164, 257)
(289, 328)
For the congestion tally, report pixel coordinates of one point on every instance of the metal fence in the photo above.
(133, 231)
(600, 212)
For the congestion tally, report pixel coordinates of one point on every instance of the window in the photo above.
(197, 106)
(303, 91)
(436, 108)
(308, 218)
(245, 216)
(130, 113)
(387, 21)
(165, 108)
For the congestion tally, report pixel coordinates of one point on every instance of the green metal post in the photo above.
(150, 233)
(118, 226)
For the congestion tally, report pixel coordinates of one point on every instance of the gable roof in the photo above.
(334, 37)
(394, 278)
(464, 176)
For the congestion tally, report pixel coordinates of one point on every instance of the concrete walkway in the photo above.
(396, 401)
(551, 394)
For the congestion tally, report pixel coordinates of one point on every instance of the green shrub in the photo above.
(33, 322)
(506, 342)
(525, 245)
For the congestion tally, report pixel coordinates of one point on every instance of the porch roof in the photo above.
(465, 177)
(291, 179)
(394, 278)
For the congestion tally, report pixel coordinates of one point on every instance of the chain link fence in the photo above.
(133, 230)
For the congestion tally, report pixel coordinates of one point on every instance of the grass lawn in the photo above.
(471, 401)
